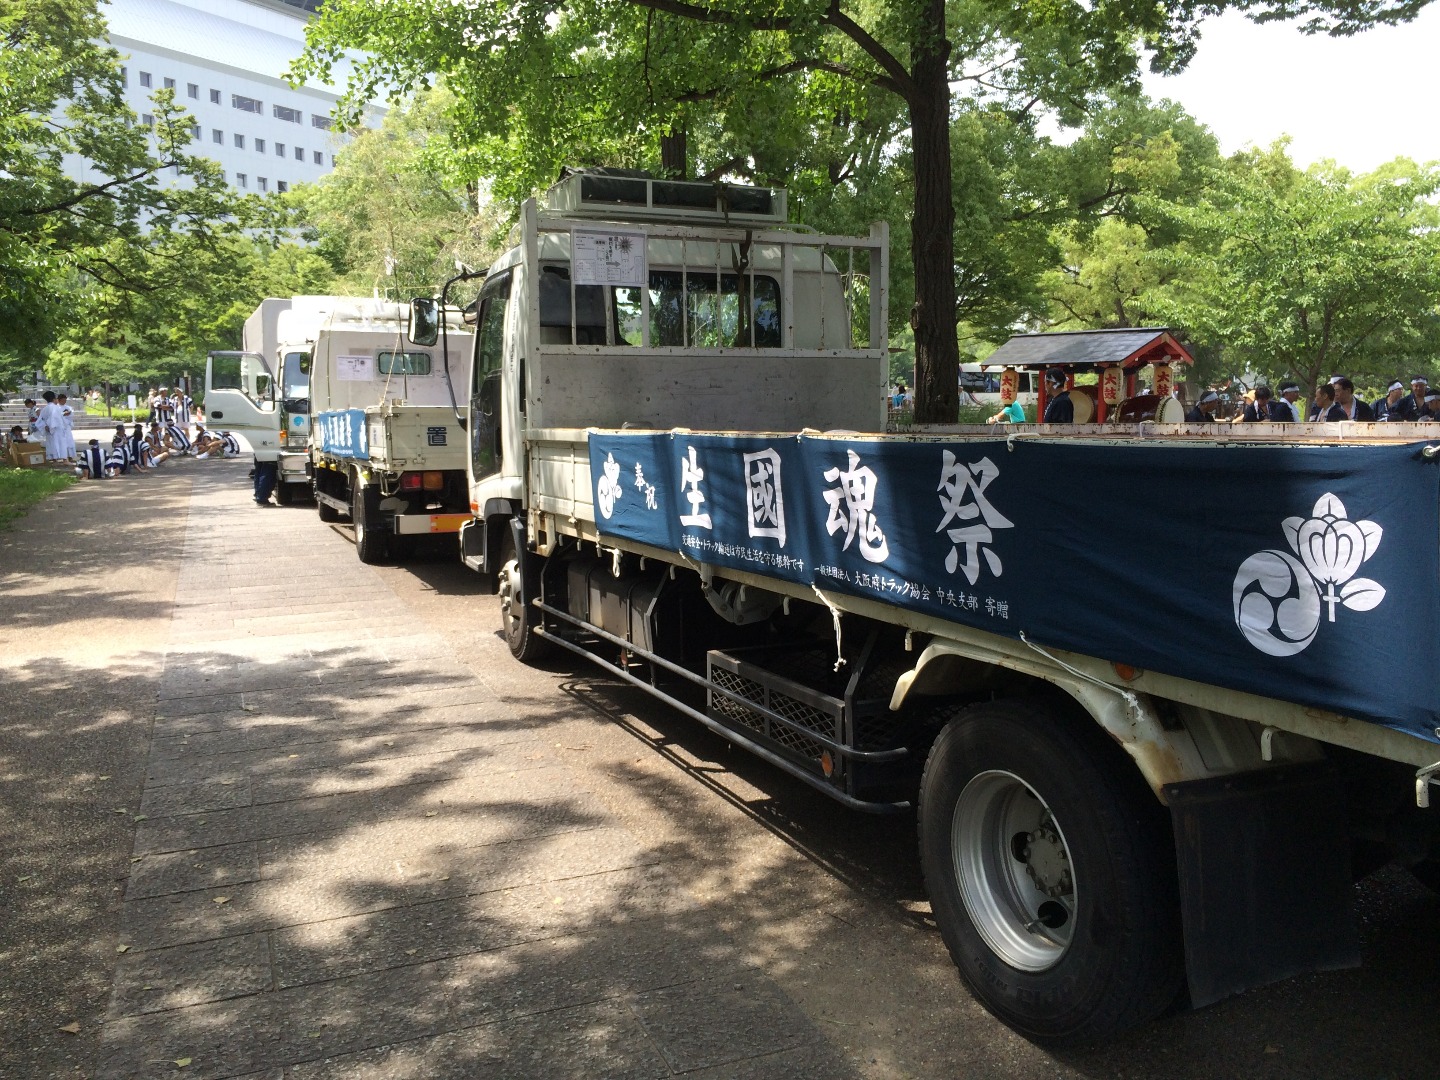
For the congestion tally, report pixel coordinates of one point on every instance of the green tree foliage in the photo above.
(1114, 248)
(1304, 274)
(539, 84)
(397, 212)
(101, 260)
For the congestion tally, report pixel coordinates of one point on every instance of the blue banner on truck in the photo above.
(342, 432)
(1309, 574)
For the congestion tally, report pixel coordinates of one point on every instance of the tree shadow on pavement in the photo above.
(357, 866)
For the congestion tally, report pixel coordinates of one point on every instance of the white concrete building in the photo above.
(224, 59)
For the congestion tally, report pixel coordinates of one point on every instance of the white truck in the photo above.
(388, 433)
(262, 391)
(1154, 693)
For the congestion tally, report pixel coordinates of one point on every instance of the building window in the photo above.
(195, 132)
(169, 84)
(239, 141)
(241, 180)
(259, 146)
(124, 75)
(218, 136)
(324, 123)
(193, 90)
(262, 183)
(299, 153)
(319, 158)
(332, 161)
(214, 97)
(246, 104)
(284, 112)
(148, 120)
(145, 78)
(279, 149)
(281, 185)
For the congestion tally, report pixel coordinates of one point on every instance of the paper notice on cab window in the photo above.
(353, 368)
(609, 258)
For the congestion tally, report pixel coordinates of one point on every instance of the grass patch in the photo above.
(129, 416)
(21, 489)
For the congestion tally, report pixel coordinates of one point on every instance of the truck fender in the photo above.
(1163, 755)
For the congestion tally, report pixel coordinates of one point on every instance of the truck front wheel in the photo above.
(1051, 874)
(517, 618)
(370, 541)
(319, 483)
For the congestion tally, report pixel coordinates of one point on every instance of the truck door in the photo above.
(485, 426)
(240, 397)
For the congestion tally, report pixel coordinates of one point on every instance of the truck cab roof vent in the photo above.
(624, 195)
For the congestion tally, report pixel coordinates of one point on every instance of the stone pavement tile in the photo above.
(180, 918)
(195, 798)
(328, 813)
(812, 1061)
(398, 700)
(593, 1040)
(186, 871)
(609, 962)
(365, 1011)
(488, 801)
(356, 773)
(422, 859)
(318, 766)
(472, 725)
(206, 971)
(226, 1038)
(704, 1024)
(453, 923)
(405, 671)
(201, 704)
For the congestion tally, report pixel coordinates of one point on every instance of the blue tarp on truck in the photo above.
(1308, 573)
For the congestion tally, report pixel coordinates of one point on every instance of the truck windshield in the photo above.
(295, 375)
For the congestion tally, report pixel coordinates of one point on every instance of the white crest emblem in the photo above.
(608, 491)
(1278, 597)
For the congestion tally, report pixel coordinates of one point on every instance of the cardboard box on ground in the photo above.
(27, 455)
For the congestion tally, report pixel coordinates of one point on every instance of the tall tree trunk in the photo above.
(932, 229)
(673, 153)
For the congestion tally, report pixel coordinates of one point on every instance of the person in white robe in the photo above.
(50, 427)
(67, 417)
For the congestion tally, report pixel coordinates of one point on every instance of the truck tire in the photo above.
(1051, 874)
(328, 513)
(518, 619)
(284, 494)
(370, 538)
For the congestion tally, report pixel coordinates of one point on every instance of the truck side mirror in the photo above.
(424, 321)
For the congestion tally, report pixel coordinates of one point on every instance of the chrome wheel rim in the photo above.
(1014, 869)
(509, 573)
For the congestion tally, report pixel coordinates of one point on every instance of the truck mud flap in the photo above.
(1264, 871)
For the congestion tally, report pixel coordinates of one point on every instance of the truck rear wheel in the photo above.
(284, 494)
(518, 619)
(1051, 874)
(370, 540)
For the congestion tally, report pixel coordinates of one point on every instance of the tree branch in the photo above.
(898, 79)
(782, 70)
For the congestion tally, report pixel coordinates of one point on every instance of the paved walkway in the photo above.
(356, 857)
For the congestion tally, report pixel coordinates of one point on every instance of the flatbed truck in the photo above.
(1155, 694)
